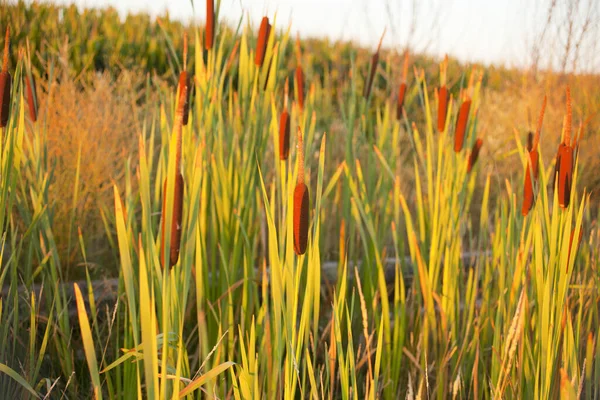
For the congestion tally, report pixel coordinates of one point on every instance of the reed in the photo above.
(5, 83)
(402, 88)
(463, 116)
(209, 34)
(474, 154)
(263, 40)
(565, 160)
(531, 173)
(175, 225)
(443, 96)
(373, 69)
(284, 135)
(301, 203)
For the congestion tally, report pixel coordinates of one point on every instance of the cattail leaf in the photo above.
(88, 343)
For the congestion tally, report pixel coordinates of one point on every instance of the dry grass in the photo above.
(99, 119)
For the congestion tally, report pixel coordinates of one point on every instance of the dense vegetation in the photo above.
(444, 256)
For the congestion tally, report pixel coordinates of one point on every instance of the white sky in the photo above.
(489, 31)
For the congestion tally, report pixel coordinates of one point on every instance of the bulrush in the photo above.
(176, 221)
(184, 82)
(284, 129)
(373, 70)
(463, 117)
(402, 89)
(474, 154)
(531, 173)
(31, 96)
(5, 83)
(263, 39)
(301, 203)
(564, 160)
(209, 35)
(529, 141)
(443, 96)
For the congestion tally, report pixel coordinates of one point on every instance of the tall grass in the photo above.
(224, 289)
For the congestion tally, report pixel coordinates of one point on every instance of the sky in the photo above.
(488, 31)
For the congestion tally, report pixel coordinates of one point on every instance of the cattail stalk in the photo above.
(176, 221)
(474, 154)
(402, 89)
(564, 160)
(209, 35)
(263, 39)
(301, 203)
(373, 70)
(531, 173)
(443, 96)
(5, 83)
(184, 82)
(300, 86)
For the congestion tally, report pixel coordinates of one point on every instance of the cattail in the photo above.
(461, 125)
(474, 154)
(175, 225)
(564, 160)
(443, 96)
(531, 173)
(284, 135)
(300, 85)
(5, 83)
(263, 38)
(374, 61)
(210, 25)
(402, 89)
(184, 82)
(530, 141)
(301, 203)
(31, 97)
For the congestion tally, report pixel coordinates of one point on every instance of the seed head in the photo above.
(474, 154)
(210, 24)
(300, 85)
(263, 38)
(284, 135)
(461, 125)
(5, 84)
(301, 204)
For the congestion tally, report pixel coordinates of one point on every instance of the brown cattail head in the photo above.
(284, 135)
(31, 96)
(210, 25)
(565, 175)
(564, 160)
(5, 83)
(442, 107)
(461, 125)
(175, 224)
(474, 154)
(300, 85)
(401, 94)
(373, 70)
(531, 175)
(301, 203)
(263, 38)
(529, 141)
